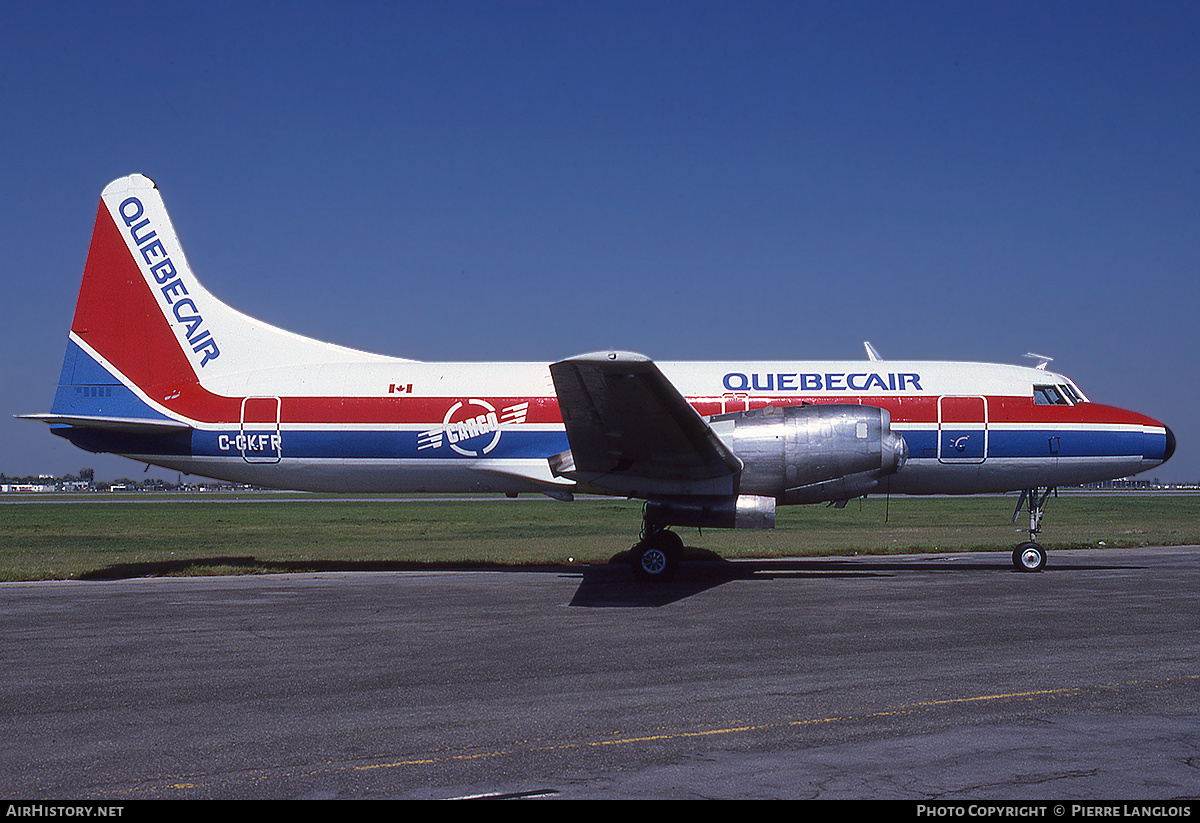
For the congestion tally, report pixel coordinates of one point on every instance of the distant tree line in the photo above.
(84, 476)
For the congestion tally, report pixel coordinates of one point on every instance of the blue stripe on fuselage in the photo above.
(516, 443)
(1049, 442)
(512, 444)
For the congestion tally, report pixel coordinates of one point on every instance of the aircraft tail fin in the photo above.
(146, 332)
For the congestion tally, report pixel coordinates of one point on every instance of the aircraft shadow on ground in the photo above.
(615, 585)
(607, 585)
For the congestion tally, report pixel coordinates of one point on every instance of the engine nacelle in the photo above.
(742, 512)
(812, 454)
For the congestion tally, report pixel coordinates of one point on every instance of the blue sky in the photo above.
(690, 180)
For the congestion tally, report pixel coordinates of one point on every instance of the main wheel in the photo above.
(1029, 557)
(657, 556)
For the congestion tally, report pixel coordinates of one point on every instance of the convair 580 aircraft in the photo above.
(161, 371)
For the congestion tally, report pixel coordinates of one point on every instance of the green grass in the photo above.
(59, 539)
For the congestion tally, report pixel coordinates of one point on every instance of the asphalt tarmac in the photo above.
(945, 677)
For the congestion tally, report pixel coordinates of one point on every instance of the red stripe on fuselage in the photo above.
(544, 410)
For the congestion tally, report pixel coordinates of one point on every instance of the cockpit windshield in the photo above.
(1048, 396)
(1073, 393)
(1063, 394)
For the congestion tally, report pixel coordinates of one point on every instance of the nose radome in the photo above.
(1157, 448)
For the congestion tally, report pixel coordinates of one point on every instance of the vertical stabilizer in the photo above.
(145, 327)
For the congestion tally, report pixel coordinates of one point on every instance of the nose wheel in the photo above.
(1030, 556)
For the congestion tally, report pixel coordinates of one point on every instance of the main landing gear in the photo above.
(1030, 556)
(656, 555)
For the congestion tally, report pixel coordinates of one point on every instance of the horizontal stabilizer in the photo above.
(131, 425)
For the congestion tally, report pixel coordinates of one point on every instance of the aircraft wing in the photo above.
(632, 432)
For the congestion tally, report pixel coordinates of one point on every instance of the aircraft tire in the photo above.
(657, 557)
(1029, 557)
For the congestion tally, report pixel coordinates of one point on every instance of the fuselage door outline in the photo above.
(962, 429)
(259, 438)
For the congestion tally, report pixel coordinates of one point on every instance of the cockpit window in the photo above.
(1048, 396)
(1073, 393)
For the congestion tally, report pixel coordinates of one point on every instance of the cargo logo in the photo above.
(472, 427)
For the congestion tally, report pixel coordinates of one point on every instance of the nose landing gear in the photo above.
(1030, 556)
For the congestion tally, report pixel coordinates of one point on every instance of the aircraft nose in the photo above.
(1158, 448)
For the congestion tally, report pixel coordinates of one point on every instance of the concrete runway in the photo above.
(932, 677)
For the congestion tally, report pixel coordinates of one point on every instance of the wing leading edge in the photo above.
(633, 433)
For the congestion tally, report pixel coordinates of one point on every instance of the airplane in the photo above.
(159, 370)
